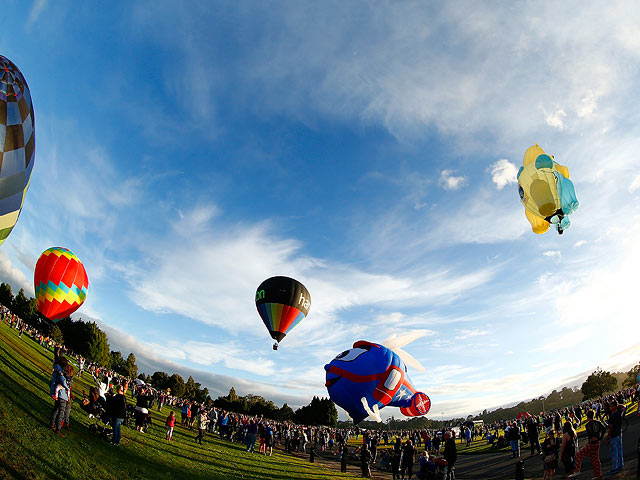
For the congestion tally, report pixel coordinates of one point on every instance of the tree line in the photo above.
(88, 340)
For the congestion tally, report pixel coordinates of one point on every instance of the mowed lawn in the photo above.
(30, 450)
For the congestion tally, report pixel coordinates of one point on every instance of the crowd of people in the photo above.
(431, 453)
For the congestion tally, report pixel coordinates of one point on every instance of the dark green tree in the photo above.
(285, 413)
(97, 344)
(56, 334)
(6, 296)
(130, 367)
(632, 377)
(176, 384)
(598, 383)
(116, 362)
(160, 380)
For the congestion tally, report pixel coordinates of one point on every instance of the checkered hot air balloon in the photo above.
(61, 283)
(17, 144)
(282, 302)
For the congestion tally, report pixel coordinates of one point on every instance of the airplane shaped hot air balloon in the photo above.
(371, 376)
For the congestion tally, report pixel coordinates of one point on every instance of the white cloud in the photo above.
(555, 118)
(635, 184)
(14, 277)
(554, 254)
(36, 10)
(503, 173)
(448, 181)
(470, 333)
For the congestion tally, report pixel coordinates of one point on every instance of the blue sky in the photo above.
(369, 150)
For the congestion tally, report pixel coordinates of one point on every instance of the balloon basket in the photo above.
(275, 346)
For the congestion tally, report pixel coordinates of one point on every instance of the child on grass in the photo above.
(171, 422)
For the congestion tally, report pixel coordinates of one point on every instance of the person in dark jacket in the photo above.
(450, 455)
(365, 460)
(117, 408)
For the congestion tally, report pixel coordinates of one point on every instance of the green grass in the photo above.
(30, 450)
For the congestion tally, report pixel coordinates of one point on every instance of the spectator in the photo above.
(550, 455)
(59, 391)
(513, 435)
(408, 453)
(203, 422)
(569, 448)
(170, 423)
(614, 439)
(533, 431)
(595, 432)
(365, 460)
(450, 455)
(117, 408)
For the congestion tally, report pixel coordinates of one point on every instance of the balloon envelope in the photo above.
(545, 191)
(17, 144)
(282, 303)
(60, 282)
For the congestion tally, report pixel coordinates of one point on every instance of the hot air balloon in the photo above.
(17, 144)
(61, 283)
(371, 376)
(282, 302)
(546, 192)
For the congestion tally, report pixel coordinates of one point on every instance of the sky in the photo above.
(368, 149)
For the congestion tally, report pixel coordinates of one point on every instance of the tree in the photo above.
(190, 388)
(130, 367)
(285, 413)
(176, 384)
(97, 344)
(598, 383)
(6, 296)
(233, 396)
(56, 334)
(160, 380)
(632, 377)
(116, 362)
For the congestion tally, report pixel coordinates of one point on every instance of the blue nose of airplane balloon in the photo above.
(370, 376)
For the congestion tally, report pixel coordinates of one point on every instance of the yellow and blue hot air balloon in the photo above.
(17, 144)
(546, 192)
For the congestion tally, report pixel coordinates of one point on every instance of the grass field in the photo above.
(30, 450)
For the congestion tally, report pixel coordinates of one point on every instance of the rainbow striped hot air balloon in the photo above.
(60, 282)
(282, 302)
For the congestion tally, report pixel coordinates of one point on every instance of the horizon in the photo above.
(369, 152)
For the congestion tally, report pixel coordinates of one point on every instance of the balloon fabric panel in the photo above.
(17, 144)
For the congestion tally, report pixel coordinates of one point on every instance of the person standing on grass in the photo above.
(68, 375)
(59, 391)
(203, 422)
(252, 432)
(117, 408)
(268, 436)
(170, 423)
